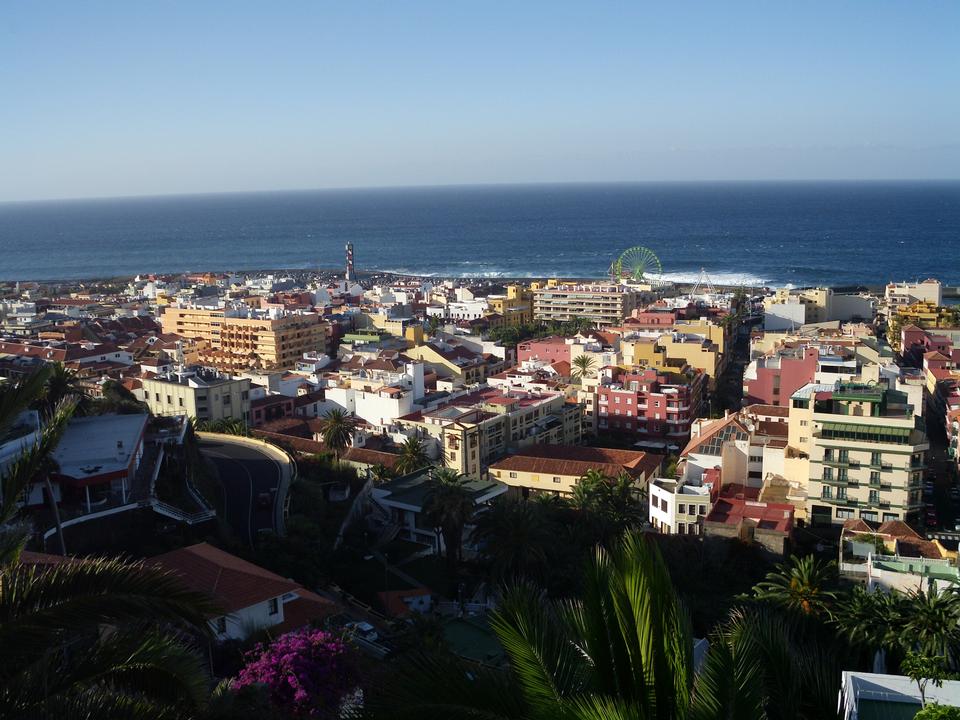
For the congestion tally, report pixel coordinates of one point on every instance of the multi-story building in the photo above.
(863, 449)
(604, 304)
(479, 428)
(898, 295)
(241, 338)
(650, 404)
(557, 469)
(516, 306)
(203, 393)
(678, 507)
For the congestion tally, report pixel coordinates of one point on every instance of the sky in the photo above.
(138, 98)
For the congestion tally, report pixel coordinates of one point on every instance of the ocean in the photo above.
(838, 233)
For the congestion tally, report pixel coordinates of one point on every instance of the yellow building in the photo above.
(451, 362)
(516, 307)
(927, 315)
(200, 393)
(557, 469)
(245, 339)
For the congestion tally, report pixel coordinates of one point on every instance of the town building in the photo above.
(679, 508)
(899, 295)
(249, 597)
(241, 338)
(558, 468)
(202, 393)
(97, 461)
(874, 696)
(476, 429)
(649, 404)
(863, 450)
(603, 303)
(399, 506)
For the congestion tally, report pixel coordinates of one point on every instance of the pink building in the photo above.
(779, 376)
(650, 404)
(552, 349)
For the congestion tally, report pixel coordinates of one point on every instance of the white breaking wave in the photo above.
(717, 278)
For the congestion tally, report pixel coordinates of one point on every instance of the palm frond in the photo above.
(439, 687)
(546, 662)
(32, 461)
(40, 605)
(729, 684)
(17, 397)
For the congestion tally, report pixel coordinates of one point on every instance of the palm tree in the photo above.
(55, 659)
(516, 536)
(337, 430)
(799, 585)
(115, 398)
(62, 384)
(449, 506)
(586, 493)
(413, 456)
(624, 651)
(433, 325)
(381, 473)
(582, 365)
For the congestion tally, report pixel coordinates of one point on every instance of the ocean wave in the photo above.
(716, 278)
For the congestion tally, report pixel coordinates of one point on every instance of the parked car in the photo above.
(363, 630)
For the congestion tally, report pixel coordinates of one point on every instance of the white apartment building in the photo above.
(678, 508)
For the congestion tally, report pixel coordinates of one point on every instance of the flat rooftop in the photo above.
(91, 446)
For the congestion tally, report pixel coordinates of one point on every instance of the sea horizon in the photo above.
(756, 233)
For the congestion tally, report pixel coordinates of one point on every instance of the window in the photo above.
(221, 625)
(802, 439)
(804, 423)
(169, 400)
(274, 606)
(617, 399)
(844, 514)
(842, 475)
(556, 478)
(681, 528)
(841, 493)
(828, 454)
(828, 473)
(876, 458)
(156, 396)
(180, 401)
(890, 516)
(874, 497)
(844, 456)
(226, 399)
(874, 477)
(513, 474)
(868, 515)
(826, 492)
(682, 509)
(702, 509)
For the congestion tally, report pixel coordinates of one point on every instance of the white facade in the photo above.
(677, 508)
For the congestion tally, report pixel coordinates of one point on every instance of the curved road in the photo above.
(246, 474)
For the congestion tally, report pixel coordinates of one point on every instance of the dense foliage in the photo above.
(307, 673)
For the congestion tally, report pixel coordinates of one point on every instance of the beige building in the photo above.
(477, 429)
(603, 303)
(557, 469)
(862, 450)
(244, 339)
(202, 393)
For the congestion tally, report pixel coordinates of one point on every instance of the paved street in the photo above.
(245, 473)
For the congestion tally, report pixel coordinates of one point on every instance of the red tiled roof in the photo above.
(306, 609)
(232, 582)
(576, 461)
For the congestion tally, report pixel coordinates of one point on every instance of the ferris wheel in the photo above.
(635, 263)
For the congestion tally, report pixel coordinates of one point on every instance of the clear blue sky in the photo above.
(130, 97)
